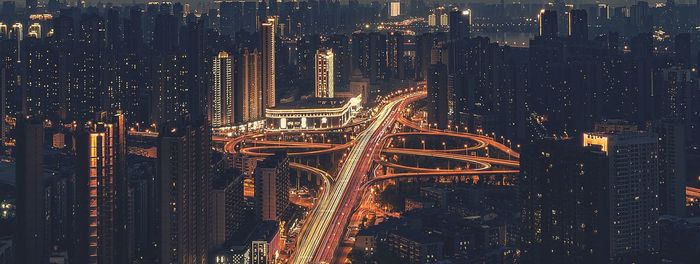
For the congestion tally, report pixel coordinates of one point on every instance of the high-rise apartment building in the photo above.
(222, 93)
(272, 187)
(595, 202)
(557, 186)
(183, 166)
(325, 74)
(267, 33)
(101, 192)
(631, 192)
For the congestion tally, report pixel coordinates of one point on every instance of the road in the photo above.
(329, 221)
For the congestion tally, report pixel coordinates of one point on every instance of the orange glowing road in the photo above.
(329, 221)
(693, 193)
(489, 141)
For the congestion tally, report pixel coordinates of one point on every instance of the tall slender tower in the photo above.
(222, 96)
(324, 73)
(30, 236)
(250, 85)
(101, 215)
(267, 33)
(184, 166)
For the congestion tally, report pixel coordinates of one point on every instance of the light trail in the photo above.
(328, 222)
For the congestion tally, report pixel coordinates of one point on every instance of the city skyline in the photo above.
(349, 132)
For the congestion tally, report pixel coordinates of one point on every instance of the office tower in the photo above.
(578, 24)
(272, 188)
(547, 22)
(460, 22)
(631, 192)
(101, 213)
(31, 237)
(183, 166)
(250, 83)
(325, 74)
(559, 183)
(267, 32)
(672, 165)
(222, 94)
(438, 95)
(395, 55)
(227, 205)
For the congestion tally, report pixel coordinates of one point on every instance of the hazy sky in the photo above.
(429, 2)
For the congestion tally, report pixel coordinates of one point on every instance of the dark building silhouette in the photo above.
(548, 24)
(32, 238)
(184, 175)
(438, 95)
(459, 22)
(578, 24)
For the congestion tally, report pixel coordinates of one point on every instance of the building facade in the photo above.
(325, 74)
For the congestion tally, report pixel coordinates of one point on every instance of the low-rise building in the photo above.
(313, 113)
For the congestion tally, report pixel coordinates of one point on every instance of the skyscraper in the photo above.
(250, 84)
(578, 24)
(631, 192)
(183, 166)
(267, 33)
(222, 93)
(272, 187)
(101, 215)
(548, 25)
(325, 74)
(31, 237)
